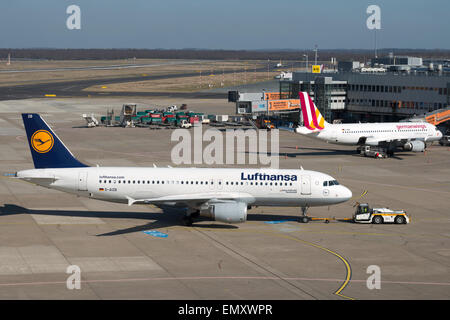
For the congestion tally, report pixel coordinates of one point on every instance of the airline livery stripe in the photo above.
(304, 112)
(308, 111)
(313, 113)
(322, 119)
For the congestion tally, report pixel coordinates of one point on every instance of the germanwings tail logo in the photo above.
(312, 118)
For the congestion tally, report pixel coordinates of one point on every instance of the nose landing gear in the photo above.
(304, 218)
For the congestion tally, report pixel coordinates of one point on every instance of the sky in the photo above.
(225, 24)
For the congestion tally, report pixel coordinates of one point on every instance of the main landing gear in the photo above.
(188, 218)
(304, 218)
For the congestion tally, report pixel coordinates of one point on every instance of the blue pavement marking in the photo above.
(156, 233)
(280, 221)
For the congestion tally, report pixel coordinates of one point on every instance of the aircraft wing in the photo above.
(193, 200)
(390, 143)
(384, 141)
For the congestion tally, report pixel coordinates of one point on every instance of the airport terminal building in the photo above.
(353, 96)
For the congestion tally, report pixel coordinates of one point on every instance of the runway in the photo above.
(65, 89)
(106, 67)
(75, 89)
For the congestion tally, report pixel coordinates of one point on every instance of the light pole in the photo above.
(315, 56)
(305, 55)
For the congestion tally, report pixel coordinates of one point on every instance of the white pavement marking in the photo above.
(31, 259)
(103, 264)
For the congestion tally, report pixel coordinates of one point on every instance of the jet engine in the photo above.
(414, 146)
(229, 212)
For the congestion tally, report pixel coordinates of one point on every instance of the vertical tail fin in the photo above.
(312, 118)
(46, 148)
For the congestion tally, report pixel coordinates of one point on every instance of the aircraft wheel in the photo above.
(304, 219)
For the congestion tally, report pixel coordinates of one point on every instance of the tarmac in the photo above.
(142, 252)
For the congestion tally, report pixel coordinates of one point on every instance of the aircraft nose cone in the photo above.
(346, 193)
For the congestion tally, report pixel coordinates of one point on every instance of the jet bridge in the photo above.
(438, 116)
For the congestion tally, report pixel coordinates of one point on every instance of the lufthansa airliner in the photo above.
(220, 194)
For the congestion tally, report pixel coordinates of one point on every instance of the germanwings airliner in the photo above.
(389, 135)
(220, 194)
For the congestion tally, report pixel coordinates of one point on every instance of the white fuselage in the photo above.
(373, 133)
(266, 187)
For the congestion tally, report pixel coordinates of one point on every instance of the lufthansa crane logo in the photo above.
(42, 141)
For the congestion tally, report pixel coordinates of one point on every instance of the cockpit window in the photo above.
(325, 183)
(330, 183)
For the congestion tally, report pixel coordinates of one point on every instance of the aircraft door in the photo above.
(306, 184)
(82, 180)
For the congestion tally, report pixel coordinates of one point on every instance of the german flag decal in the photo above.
(101, 189)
